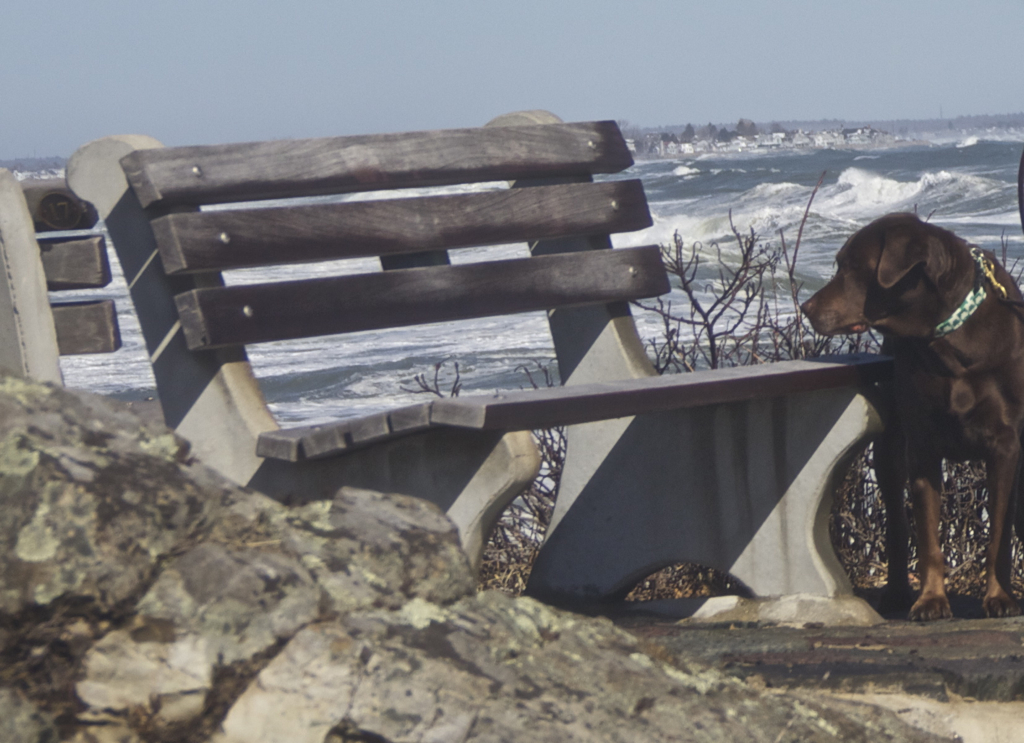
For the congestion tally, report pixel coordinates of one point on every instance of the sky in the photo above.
(210, 71)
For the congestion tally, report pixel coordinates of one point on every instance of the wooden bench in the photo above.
(34, 332)
(626, 480)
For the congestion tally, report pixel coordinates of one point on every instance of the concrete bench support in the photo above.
(743, 487)
(28, 338)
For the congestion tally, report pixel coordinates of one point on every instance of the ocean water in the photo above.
(966, 184)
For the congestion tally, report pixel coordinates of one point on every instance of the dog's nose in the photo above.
(823, 317)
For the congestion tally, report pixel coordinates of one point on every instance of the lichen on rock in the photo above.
(23, 722)
(87, 507)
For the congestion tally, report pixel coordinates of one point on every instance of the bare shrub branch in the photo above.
(433, 386)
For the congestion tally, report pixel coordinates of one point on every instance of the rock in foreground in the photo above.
(143, 598)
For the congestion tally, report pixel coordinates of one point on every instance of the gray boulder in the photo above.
(144, 598)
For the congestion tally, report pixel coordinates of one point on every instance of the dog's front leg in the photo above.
(925, 494)
(1002, 473)
(890, 459)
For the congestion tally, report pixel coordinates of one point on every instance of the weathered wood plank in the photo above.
(203, 241)
(415, 260)
(330, 439)
(556, 406)
(86, 327)
(75, 264)
(307, 167)
(327, 441)
(216, 317)
(285, 444)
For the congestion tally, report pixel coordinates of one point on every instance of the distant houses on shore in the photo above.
(747, 137)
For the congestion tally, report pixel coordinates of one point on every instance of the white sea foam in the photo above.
(686, 171)
(859, 192)
(50, 173)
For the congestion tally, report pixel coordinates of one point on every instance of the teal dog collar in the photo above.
(973, 300)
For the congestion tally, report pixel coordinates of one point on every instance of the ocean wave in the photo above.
(713, 226)
(861, 194)
(858, 192)
(686, 171)
(773, 191)
(1009, 219)
(692, 227)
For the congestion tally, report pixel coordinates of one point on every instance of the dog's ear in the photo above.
(904, 249)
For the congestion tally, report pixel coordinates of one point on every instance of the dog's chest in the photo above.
(960, 412)
(953, 424)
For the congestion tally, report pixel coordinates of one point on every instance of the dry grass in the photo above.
(516, 538)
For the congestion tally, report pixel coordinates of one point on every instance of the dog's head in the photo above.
(898, 275)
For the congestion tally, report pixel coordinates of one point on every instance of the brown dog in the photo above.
(958, 346)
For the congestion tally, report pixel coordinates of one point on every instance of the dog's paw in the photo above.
(1001, 605)
(930, 608)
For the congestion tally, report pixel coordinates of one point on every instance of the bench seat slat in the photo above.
(86, 327)
(313, 442)
(224, 316)
(75, 264)
(216, 240)
(284, 444)
(266, 170)
(555, 406)
(585, 403)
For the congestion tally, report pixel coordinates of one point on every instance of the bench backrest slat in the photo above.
(222, 316)
(221, 239)
(75, 264)
(292, 168)
(86, 327)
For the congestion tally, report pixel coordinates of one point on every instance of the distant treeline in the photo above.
(902, 126)
(892, 126)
